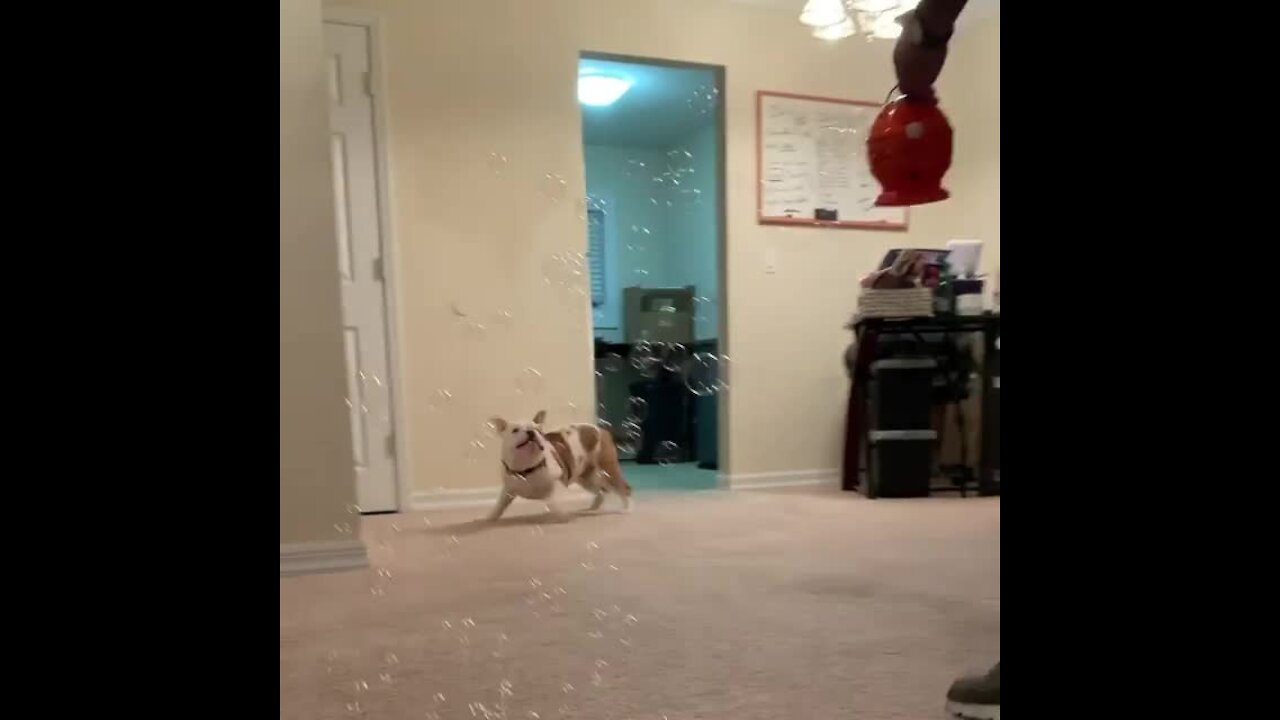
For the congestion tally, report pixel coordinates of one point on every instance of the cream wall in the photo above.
(970, 94)
(467, 79)
(316, 475)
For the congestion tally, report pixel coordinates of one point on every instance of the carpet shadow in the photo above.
(471, 527)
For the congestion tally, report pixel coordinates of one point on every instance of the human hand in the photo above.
(917, 64)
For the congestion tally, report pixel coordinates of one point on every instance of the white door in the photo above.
(360, 265)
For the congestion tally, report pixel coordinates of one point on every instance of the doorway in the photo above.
(359, 190)
(653, 145)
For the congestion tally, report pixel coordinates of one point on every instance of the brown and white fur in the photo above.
(536, 463)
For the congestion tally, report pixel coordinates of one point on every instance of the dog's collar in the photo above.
(523, 473)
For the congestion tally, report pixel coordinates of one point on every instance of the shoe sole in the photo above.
(966, 711)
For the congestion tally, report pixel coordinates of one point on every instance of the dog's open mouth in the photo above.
(529, 439)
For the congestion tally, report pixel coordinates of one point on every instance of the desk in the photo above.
(857, 426)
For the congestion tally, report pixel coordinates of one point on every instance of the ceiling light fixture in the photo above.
(601, 90)
(837, 19)
(838, 31)
(823, 13)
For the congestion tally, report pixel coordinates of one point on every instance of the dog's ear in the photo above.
(498, 424)
(540, 417)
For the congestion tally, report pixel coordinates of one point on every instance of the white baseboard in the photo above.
(445, 499)
(306, 558)
(475, 497)
(785, 478)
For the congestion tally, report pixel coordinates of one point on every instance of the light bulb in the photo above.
(823, 13)
(601, 90)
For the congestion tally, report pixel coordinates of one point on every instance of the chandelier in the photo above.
(836, 19)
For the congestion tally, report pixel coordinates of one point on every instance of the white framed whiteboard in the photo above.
(811, 163)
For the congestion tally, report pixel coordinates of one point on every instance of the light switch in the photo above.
(770, 261)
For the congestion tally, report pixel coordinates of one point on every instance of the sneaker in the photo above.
(975, 698)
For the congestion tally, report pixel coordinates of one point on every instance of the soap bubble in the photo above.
(704, 99)
(476, 450)
(592, 204)
(638, 407)
(635, 167)
(530, 382)
(497, 163)
(503, 319)
(490, 428)
(555, 269)
(554, 187)
(645, 357)
(631, 428)
(702, 308)
(675, 356)
(440, 400)
(611, 362)
(632, 434)
(722, 379)
(667, 453)
(627, 445)
(702, 374)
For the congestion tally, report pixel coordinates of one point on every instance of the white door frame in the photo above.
(372, 21)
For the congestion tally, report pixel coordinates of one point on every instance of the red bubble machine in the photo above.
(909, 148)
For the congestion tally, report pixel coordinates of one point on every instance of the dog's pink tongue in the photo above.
(528, 452)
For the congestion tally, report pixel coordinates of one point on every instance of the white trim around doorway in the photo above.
(373, 22)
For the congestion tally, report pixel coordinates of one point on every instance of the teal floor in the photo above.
(678, 476)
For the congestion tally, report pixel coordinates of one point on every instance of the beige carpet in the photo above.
(788, 604)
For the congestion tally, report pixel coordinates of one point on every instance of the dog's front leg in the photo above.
(504, 500)
(554, 512)
(598, 501)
